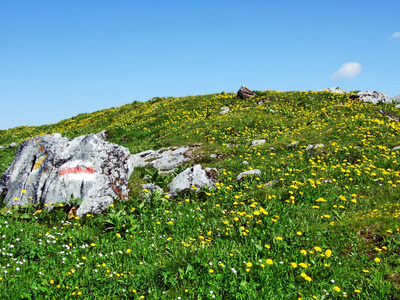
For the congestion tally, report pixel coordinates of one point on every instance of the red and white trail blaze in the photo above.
(77, 169)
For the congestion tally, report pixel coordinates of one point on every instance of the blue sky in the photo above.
(62, 58)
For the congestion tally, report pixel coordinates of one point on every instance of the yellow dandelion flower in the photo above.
(328, 253)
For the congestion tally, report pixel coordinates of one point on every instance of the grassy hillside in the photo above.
(327, 228)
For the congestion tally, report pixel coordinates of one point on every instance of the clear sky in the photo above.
(62, 58)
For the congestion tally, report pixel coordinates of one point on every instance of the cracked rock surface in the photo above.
(52, 169)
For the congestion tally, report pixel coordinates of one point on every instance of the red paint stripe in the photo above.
(75, 170)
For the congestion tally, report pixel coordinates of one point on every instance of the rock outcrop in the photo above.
(166, 159)
(51, 169)
(373, 97)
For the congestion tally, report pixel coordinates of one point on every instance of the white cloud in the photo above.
(348, 70)
(396, 35)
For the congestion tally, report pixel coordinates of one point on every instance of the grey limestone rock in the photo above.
(373, 97)
(166, 159)
(272, 183)
(396, 148)
(258, 142)
(395, 99)
(248, 173)
(196, 176)
(224, 110)
(314, 146)
(52, 169)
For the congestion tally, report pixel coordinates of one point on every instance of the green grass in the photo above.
(327, 229)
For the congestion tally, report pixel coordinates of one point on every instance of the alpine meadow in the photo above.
(320, 220)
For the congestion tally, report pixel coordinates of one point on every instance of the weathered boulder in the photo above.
(52, 169)
(373, 97)
(245, 93)
(248, 173)
(196, 177)
(166, 159)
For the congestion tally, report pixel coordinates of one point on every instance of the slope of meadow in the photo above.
(326, 228)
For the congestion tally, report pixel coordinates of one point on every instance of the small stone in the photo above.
(13, 145)
(224, 110)
(272, 183)
(396, 148)
(245, 162)
(292, 144)
(247, 173)
(258, 142)
(314, 146)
